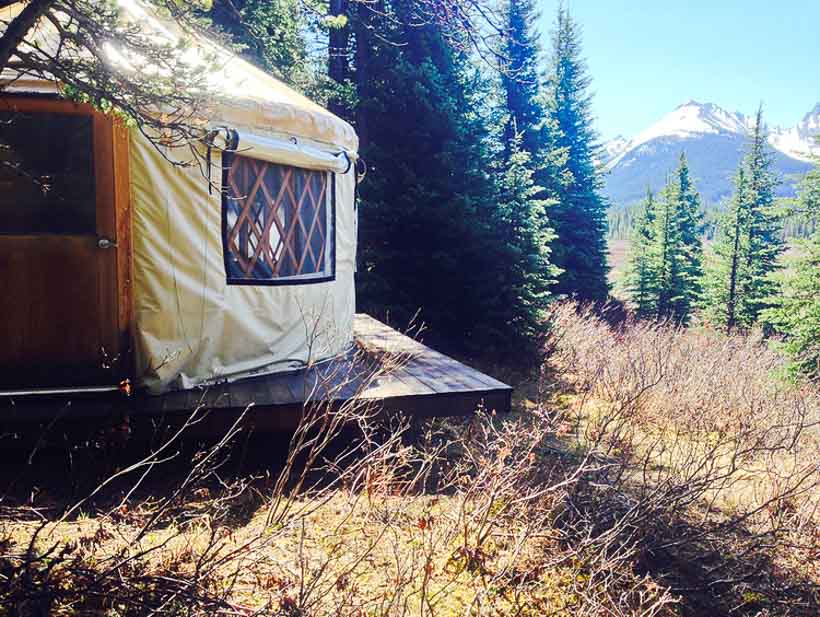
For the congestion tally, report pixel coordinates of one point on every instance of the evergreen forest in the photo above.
(483, 198)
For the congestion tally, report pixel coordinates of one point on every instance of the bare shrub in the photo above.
(175, 552)
(396, 518)
(715, 460)
(660, 472)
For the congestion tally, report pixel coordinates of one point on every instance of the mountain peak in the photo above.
(814, 114)
(688, 120)
(714, 140)
(704, 107)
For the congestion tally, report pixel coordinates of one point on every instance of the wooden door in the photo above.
(58, 247)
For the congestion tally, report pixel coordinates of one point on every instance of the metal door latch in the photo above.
(105, 243)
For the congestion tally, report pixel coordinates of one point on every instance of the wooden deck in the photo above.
(385, 368)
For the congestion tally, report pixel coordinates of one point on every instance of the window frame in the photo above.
(228, 158)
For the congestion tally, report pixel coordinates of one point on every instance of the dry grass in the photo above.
(458, 522)
(721, 451)
(650, 472)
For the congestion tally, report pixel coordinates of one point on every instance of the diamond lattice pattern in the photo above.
(276, 221)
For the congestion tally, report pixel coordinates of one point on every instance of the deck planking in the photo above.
(384, 367)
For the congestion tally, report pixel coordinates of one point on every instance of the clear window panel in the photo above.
(46, 174)
(277, 222)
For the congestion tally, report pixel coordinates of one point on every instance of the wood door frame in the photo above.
(113, 185)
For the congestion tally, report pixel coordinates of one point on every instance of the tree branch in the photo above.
(19, 27)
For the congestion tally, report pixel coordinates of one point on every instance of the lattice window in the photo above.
(278, 223)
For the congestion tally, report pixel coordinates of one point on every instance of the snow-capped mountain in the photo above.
(713, 140)
(614, 147)
(799, 141)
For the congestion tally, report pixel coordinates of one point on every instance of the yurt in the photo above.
(227, 284)
(116, 263)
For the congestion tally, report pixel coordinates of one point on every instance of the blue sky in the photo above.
(646, 58)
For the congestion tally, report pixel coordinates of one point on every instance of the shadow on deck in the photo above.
(386, 368)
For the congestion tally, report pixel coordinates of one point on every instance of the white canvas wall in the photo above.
(191, 327)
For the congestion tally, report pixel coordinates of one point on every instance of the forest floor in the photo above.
(373, 550)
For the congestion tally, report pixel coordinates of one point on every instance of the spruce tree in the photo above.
(689, 218)
(667, 253)
(427, 207)
(526, 118)
(527, 173)
(724, 268)
(796, 311)
(763, 235)
(520, 79)
(641, 279)
(664, 275)
(740, 284)
(580, 216)
(523, 295)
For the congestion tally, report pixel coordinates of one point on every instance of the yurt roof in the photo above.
(248, 97)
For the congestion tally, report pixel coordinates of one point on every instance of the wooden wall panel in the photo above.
(67, 307)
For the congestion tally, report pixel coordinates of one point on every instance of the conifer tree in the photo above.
(580, 216)
(269, 34)
(527, 177)
(689, 218)
(524, 293)
(724, 272)
(524, 94)
(763, 235)
(520, 79)
(664, 276)
(426, 211)
(740, 284)
(796, 310)
(667, 253)
(641, 277)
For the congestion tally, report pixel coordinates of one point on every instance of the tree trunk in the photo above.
(338, 62)
(732, 299)
(363, 26)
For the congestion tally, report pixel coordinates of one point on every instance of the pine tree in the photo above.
(580, 216)
(524, 93)
(338, 55)
(427, 210)
(270, 34)
(740, 284)
(666, 254)
(724, 270)
(763, 234)
(689, 218)
(527, 174)
(524, 293)
(520, 79)
(796, 310)
(641, 278)
(664, 276)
